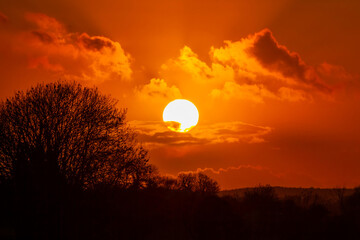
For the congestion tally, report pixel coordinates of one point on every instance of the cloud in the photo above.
(43, 61)
(232, 132)
(255, 68)
(43, 37)
(276, 57)
(258, 92)
(293, 95)
(260, 61)
(259, 58)
(255, 93)
(3, 18)
(337, 76)
(95, 43)
(158, 88)
(273, 56)
(72, 55)
(188, 68)
(155, 134)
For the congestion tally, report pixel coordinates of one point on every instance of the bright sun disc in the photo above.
(180, 115)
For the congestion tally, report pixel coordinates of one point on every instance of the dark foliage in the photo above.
(57, 140)
(190, 182)
(110, 212)
(63, 132)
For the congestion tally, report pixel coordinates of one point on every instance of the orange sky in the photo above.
(277, 83)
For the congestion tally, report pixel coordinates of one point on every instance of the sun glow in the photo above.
(180, 115)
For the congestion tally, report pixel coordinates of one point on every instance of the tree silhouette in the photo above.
(166, 182)
(197, 182)
(66, 132)
(187, 182)
(206, 185)
(260, 194)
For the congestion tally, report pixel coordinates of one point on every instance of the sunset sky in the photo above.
(276, 83)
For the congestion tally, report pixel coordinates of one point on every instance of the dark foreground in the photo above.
(110, 213)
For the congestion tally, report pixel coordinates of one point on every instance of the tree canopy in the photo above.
(191, 182)
(66, 131)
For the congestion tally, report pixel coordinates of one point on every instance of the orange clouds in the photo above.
(150, 99)
(258, 92)
(156, 134)
(293, 95)
(255, 93)
(43, 62)
(253, 79)
(230, 132)
(278, 58)
(254, 69)
(188, 72)
(72, 55)
(267, 70)
(158, 88)
(189, 63)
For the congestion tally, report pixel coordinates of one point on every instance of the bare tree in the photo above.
(70, 132)
(206, 185)
(166, 182)
(197, 182)
(187, 182)
(340, 195)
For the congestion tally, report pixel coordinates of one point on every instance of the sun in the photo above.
(180, 115)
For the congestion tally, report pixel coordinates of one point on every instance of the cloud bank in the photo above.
(77, 56)
(256, 69)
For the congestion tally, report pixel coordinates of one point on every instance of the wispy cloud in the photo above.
(155, 134)
(158, 88)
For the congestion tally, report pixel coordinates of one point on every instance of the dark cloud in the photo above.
(95, 43)
(3, 18)
(43, 36)
(272, 55)
(172, 138)
(276, 57)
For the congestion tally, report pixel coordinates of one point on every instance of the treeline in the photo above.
(157, 212)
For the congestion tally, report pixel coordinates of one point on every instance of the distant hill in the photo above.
(324, 194)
